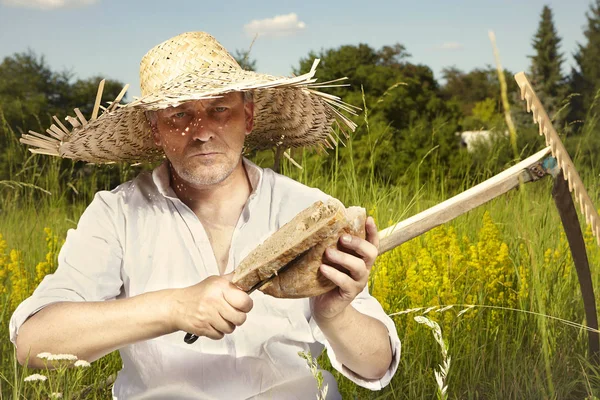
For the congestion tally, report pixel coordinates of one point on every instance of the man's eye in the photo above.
(220, 109)
(179, 115)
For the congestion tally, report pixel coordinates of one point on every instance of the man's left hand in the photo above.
(355, 256)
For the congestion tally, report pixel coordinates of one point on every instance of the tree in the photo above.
(394, 55)
(585, 77)
(546, 63)
(479, 86)
(243, 58)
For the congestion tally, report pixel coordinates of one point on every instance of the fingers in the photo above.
(222, 323)
(356, 255)
(372, 232)
(364, 249)
(238, 299)
(231, 312)
(212, 333)
(232, 316)
(348, 287)
(212, 308)
(354, 265)
(226, 318)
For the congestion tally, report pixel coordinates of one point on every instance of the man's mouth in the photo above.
(204, 154)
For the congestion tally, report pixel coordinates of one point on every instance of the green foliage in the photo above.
(585, 78)
(468, 89)
(411, 126)
(484, 116)
(243, 59)
(546, 63)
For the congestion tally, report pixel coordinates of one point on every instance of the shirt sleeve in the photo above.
(368, 305)
(89, 263)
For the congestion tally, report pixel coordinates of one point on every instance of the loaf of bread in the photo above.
(297, 250)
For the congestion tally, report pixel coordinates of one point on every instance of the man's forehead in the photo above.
(227, 97)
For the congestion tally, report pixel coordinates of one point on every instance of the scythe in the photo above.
(552, 160)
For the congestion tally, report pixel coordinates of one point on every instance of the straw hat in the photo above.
(289, 112)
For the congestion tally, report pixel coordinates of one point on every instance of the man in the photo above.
(154, 257)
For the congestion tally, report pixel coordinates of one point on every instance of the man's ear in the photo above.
(249, 115)
(151, 118)
(155, 134)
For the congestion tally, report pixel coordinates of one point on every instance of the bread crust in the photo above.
(310, 227)
(303, 277)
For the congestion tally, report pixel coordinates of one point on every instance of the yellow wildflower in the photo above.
(18, 278)
(48, 266)
(3, 264)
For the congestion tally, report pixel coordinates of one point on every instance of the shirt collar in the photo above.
(162, 180)
(254, 174)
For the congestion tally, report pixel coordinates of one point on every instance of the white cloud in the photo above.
(450, 46)
(279, 25)
(47, 4)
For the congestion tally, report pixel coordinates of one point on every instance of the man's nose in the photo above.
(200, 128)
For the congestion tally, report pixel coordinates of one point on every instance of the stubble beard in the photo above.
(198, 174)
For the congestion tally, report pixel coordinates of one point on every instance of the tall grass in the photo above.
(506, 255)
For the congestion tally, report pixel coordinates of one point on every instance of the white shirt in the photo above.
(140, 237)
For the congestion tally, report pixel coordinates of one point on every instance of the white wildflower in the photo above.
(35, 377)
(323, 393)
(410, 310)
(429, 310)
(439, 378)
(424, 320)
(62, 357)
(465, 310)
(82, 363)
(44, 355)
(316, 372)
(442, 374)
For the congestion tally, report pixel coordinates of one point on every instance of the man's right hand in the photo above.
(211, 308)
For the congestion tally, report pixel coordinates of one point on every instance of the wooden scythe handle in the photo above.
(418, 224)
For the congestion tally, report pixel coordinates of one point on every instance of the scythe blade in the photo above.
(569, 181)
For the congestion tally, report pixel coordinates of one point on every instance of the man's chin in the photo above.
(198, 171)
(205, 177)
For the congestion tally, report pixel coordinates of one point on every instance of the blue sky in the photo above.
(109, 37)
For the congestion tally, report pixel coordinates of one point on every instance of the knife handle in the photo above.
(190, 338)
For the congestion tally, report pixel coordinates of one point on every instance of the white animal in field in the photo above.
(468, 139)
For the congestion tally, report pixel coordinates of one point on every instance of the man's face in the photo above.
(203, 139)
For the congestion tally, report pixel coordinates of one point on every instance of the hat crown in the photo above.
(188, 52)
